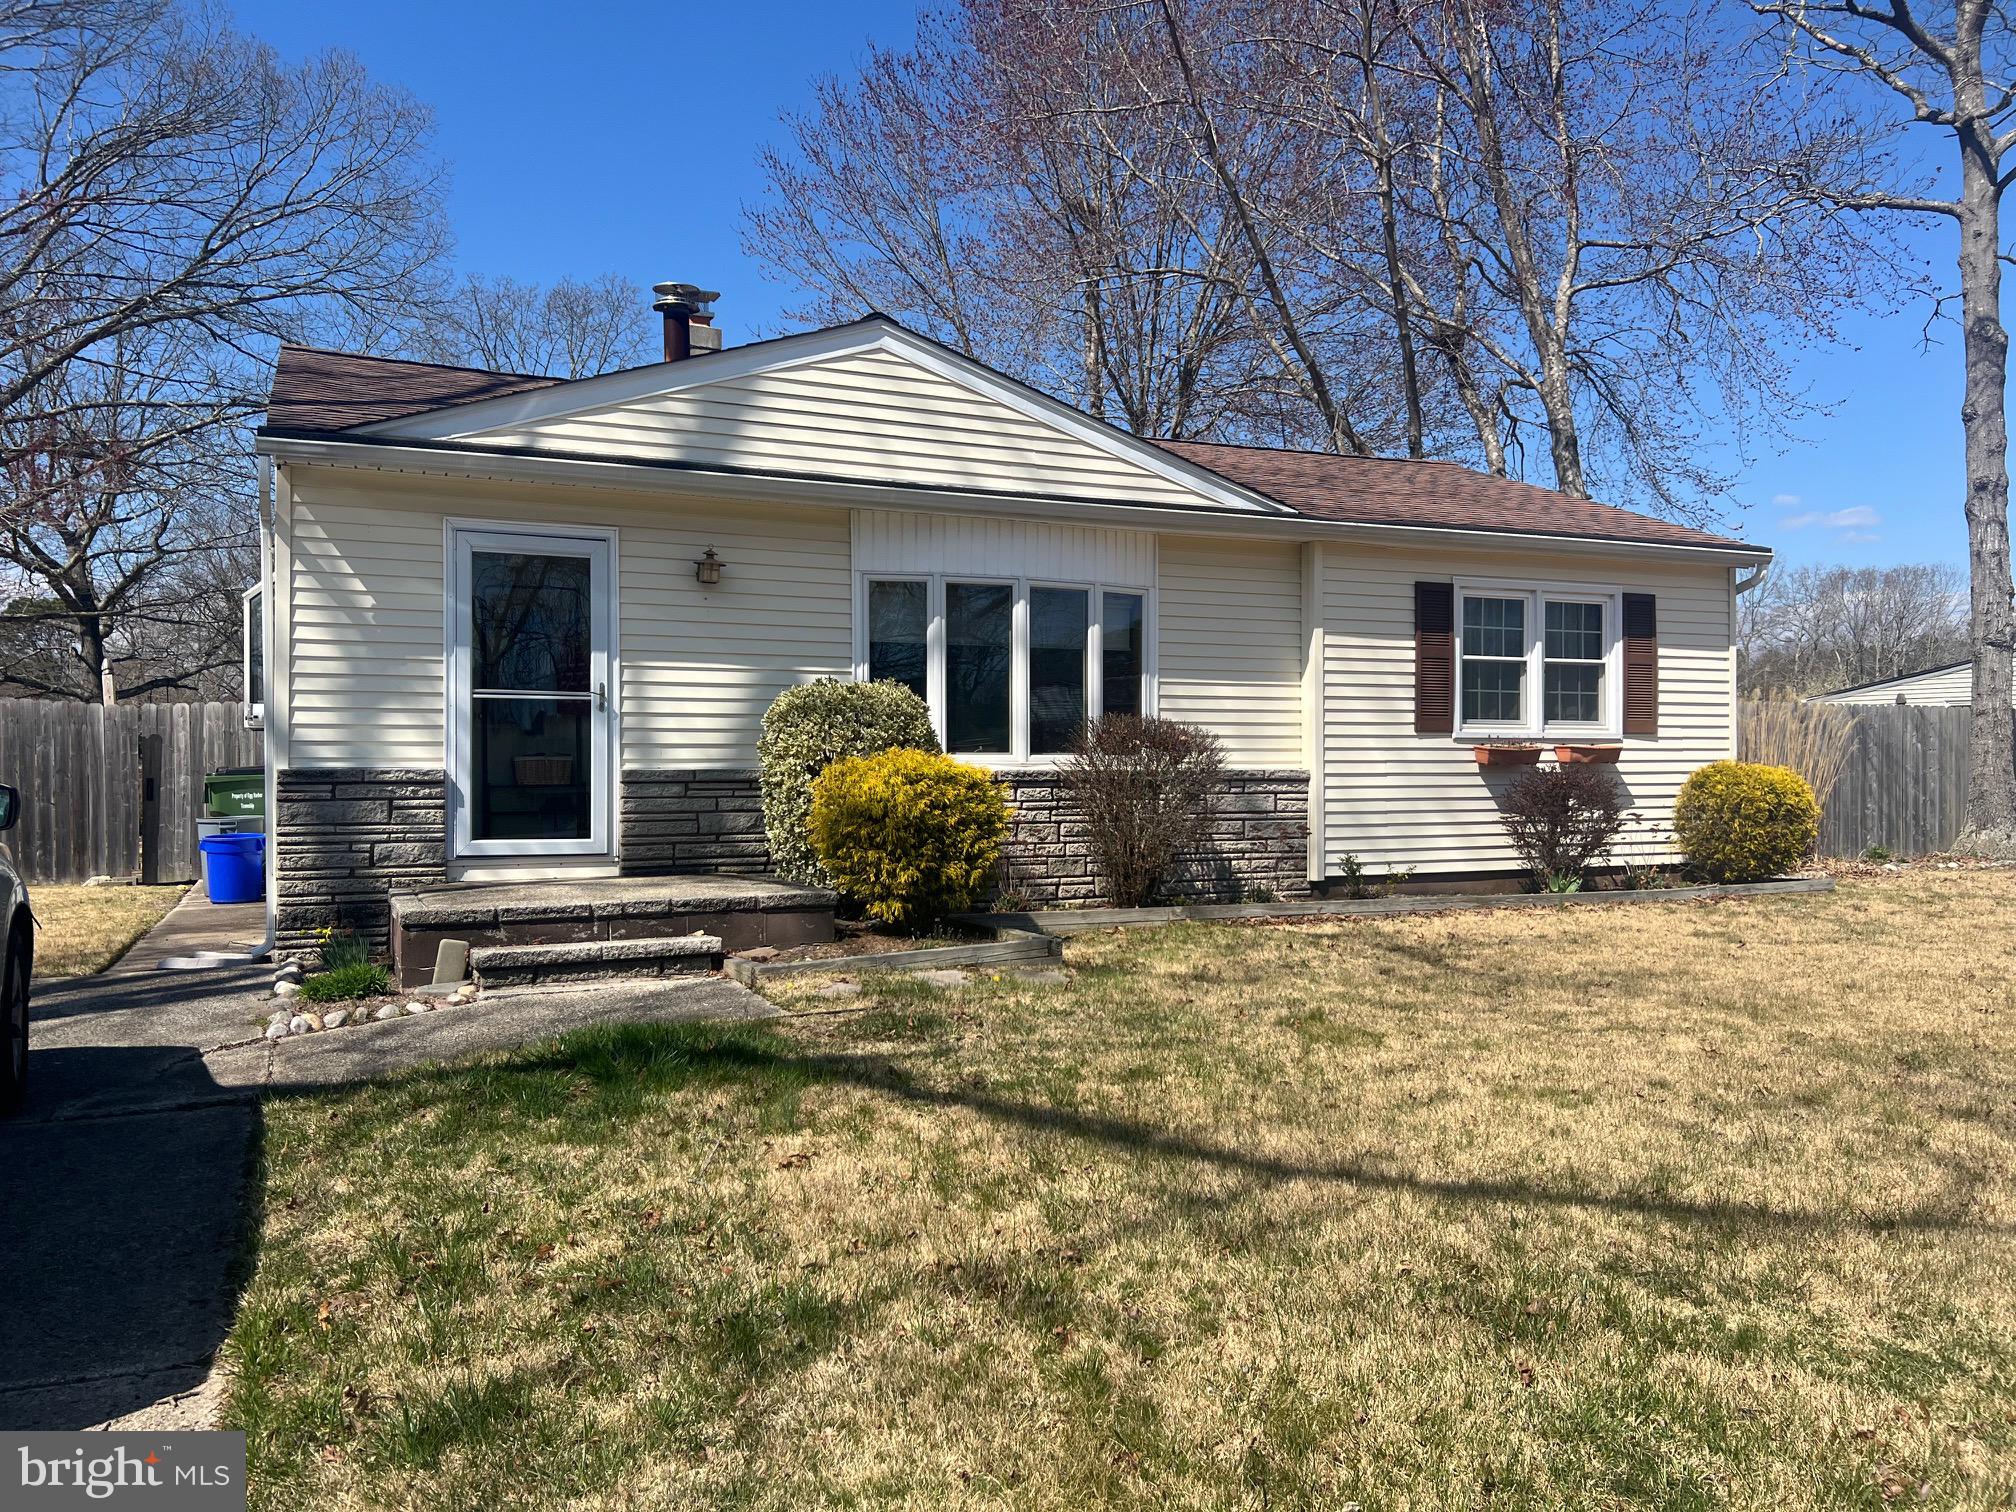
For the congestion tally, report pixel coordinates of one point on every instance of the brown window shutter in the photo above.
(1434, 658)
(1641, 664)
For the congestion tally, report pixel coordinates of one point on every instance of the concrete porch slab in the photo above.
(741, 911)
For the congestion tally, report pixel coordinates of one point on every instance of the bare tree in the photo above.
(1814, 629)
(1437, 226)
(173, 201)
(569, 329)
(1949, 64)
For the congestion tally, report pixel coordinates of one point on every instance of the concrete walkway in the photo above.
(125, 1185)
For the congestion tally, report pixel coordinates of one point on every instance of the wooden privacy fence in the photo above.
(80, 771)
(1903, 785)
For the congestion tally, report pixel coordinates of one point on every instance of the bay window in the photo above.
(1012, 669)
(1535, 660)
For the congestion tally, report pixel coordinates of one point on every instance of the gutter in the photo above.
(461, 460)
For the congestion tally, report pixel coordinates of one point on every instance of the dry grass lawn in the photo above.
(86, 929)
(1683, 1205)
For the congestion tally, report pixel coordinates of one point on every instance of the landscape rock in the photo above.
(286, 989)
(419, 1006)
(277, 1030)
(759, 953)
(389, 1011)
(297, 1024)
(292, 971)
(839, 990)
(336, 1019)
(314, 1021)
(945, 977)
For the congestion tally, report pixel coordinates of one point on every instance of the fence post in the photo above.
(150, 810)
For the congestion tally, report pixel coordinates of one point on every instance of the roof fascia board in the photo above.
(771, 488)
(469, 421)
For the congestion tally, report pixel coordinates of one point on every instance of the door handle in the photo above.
(601, 697)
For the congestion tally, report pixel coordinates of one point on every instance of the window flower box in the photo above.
(1589, 755)
(1506, 755)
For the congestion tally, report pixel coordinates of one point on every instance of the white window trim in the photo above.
(251, 630)
(607, 735)
(1018, 687)
(1533, 725)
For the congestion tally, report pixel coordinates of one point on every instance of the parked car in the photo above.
(17, 967)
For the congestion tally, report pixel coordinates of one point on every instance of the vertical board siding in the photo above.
(1230, 649)
(78, 769)
(1397, 799)
(699, 665)
(873, 416)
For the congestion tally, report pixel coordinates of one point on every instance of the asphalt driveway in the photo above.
(128, 1185)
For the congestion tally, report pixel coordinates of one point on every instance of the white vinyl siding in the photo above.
(870, 416)
(699, 666)
(1231, 644)
(1397, 799)
(1947, 686)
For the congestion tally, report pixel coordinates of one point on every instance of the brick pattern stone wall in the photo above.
(346, 836)
(693, 820)
(1258, 842)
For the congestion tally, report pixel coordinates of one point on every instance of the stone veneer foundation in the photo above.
(349, 836)
(693, 820)
(1258, 843)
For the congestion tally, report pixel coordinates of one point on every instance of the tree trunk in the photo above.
(1991, 801)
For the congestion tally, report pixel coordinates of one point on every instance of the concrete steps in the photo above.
(738, 912)
(586, 960)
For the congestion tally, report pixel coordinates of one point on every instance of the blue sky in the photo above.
(625, 141)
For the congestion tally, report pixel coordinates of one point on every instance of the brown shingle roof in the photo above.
(314, 389)
(1392, 491)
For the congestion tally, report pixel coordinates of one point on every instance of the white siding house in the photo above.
(696, 536)
(1944, 687)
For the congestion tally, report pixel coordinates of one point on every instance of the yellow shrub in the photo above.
(910, 835)
(1740, 821)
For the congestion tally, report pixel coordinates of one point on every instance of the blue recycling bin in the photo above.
(234, 867)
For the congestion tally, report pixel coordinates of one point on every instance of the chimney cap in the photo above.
(683, 298)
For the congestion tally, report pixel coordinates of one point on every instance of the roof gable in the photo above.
(868, 402)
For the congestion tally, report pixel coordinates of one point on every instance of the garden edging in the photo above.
(1009, 944)
(1069, 921)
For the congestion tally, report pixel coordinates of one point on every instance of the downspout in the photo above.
(1742, 585)
(266, 604)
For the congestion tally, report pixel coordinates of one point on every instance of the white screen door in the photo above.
(529, 719)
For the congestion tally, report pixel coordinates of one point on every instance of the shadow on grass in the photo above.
(629, 1064)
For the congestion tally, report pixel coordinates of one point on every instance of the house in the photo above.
(1945, 687)
(524, 629)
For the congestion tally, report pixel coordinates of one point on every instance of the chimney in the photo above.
(689, 319)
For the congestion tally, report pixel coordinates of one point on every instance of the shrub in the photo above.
(1741, 821)
(809, 726)
(1562, 820)
(1147, 790)
(359, 979)
(910, 835)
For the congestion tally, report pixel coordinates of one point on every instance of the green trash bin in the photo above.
(236, 793)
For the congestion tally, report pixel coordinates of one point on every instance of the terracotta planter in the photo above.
(1496, 755)
(1590, 755)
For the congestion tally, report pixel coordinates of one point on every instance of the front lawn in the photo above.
(84, 929)
(1677, 1205)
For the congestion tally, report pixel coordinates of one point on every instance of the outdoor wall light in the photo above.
(708, 569)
